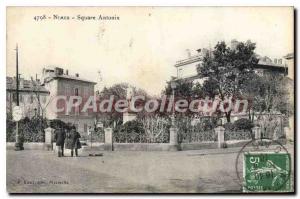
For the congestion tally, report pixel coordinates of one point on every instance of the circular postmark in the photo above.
(263, 165)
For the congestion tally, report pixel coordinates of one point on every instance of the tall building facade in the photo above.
(61, 83)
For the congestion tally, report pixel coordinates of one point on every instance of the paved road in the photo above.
(123, 171)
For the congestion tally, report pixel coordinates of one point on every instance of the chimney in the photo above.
(188, 53)
(77, 75)
(58, 71)
(67, 72)
(279, 61)
(275, 61)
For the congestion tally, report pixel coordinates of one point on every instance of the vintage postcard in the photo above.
(150, 100)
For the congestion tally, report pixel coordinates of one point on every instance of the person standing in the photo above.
(60, 140)
(73, 141)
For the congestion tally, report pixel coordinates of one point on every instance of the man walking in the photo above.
(60, 140)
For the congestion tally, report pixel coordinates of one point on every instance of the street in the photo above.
(198, 171)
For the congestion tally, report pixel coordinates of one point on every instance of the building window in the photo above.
(67, 90)
(76, 91)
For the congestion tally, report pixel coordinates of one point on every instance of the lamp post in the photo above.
(173, 86)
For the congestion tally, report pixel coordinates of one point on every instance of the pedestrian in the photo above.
(60, 140)
(73, 141)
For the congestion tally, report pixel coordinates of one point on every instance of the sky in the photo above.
(141, 47)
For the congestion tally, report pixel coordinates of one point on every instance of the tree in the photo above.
(225, 70)
(184, 88)
(268, 93)
(119, 92)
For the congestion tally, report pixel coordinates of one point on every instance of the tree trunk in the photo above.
(228, 116)
(249, 114)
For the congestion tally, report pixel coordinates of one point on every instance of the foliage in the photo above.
(146, 130)
(229, 126)
(156, 129)
(131, 131)
(243, 124)
(196, 130)
(30, 130)
(114, 118)
(184, 89)
(226, 70)
(271, 125)
(56, 123)
(239, 130)
(268, 93)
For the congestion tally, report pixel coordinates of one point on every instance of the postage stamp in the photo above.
(267, 172)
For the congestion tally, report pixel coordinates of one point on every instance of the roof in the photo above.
(63, 76)
(271, 66)
(24, 85)
(190, 60)
(264, 63)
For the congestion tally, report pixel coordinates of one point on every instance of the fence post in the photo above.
(220, 132)
(49, 133)
(108, 144)
(174, 138)
(257, 132)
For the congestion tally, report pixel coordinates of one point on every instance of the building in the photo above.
(31, 96)
(187, 68)
(61, 83)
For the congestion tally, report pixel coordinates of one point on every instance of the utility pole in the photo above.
(17, 74)
(18, 144)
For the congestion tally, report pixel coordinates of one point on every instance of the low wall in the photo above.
(95, 146)
(198, 146)
(141, 146)
(27, 145)
(131, 147)
(144, 147)
(236, 143)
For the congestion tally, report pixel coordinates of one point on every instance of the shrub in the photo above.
(131, 131)
(243, 124)
(58, 123)
(229, 127)
(133, 126)
(30, 130)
